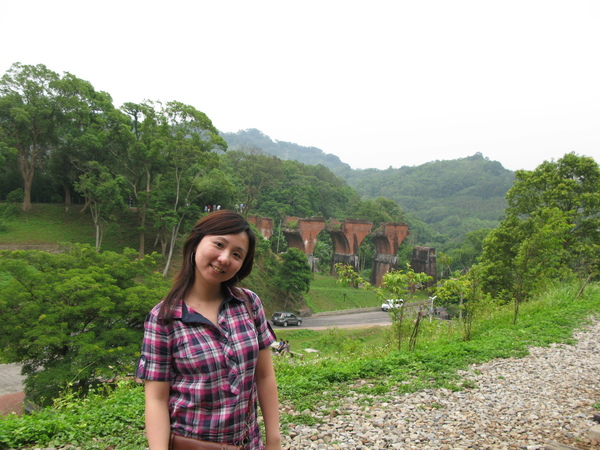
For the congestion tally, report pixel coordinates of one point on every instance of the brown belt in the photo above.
(177, 442)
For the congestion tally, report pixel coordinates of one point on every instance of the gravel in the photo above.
(542, 401)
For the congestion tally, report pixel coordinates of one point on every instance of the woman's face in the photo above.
(219, 258)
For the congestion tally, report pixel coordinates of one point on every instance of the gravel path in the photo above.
(544, 400)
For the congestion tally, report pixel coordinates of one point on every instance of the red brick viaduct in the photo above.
(347, 235)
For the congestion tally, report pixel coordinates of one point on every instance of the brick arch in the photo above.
(302, 234)
(346, 236)
(387, 239)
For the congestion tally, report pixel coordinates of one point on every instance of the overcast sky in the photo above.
(377, 83)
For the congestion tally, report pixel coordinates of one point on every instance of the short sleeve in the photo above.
(155, 359)
(266, 336)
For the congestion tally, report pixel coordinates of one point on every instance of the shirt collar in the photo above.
(182, 312)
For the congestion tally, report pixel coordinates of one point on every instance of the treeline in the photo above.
(444, 201)
(440, 193)
(61, 140)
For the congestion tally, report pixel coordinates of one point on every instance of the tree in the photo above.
(167, 141)
(402, 284)
(378, 211)
(29, 110)
(143, 159)
(552, 219)
(465, 256)
(540, 256)
(89, 125)
(572, 185)
(253, 173)
(395, 285)
(76, 318)
(466, 289)
(295, 273)
(189, 140)
(104, 192)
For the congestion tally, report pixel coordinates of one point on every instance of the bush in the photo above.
(79, 321)
(15, 196)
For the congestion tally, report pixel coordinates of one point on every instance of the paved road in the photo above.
(11, 380)
(343, 321)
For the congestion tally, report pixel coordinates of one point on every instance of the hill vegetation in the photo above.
(444, 200)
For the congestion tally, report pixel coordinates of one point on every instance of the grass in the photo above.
(50, 224)
(320, 382)
(327, 295)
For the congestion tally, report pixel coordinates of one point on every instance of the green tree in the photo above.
(29, 110)
(89, 125)
(143, 159)
(75, 318)
(395, 285)
(171, 140)
(572, 185)
(464, 289)
(552, 220)
(104, 193)
(378, 211)
(402, 284)
(189, 139)
(295, 274)
(253, 172)
(540, 257)
(466, 255)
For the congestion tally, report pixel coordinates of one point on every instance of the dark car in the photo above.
(285, 319)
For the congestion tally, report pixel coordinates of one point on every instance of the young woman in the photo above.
(204, 361)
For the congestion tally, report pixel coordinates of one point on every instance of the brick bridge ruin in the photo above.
(346, 236)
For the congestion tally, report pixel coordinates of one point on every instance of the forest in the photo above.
(442, 200)
(64, 142)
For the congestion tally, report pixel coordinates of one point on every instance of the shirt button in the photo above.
(224, 340)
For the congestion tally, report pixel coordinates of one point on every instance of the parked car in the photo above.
(392, 303)
(285, 319)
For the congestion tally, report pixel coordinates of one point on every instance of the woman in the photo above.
(204, 360)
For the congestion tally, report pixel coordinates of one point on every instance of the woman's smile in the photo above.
(219, 258)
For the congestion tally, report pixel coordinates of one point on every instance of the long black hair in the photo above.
(219, 223)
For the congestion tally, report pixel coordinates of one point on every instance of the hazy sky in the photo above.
(377, 83)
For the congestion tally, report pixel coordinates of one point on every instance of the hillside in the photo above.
(246, 140)
(453, 196)
(463, 193)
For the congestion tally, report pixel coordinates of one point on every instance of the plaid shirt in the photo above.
(210, 368)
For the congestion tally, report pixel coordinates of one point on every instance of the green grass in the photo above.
(50, 224)
(327, 295)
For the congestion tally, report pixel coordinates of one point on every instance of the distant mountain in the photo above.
(473, 185)
(252, 139)
(454, 196)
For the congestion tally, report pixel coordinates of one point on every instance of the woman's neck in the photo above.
(202, 294)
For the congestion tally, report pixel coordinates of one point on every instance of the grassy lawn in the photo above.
(327, 295)
(50, 224)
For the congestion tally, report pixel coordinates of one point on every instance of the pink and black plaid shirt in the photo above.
(210, 368)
